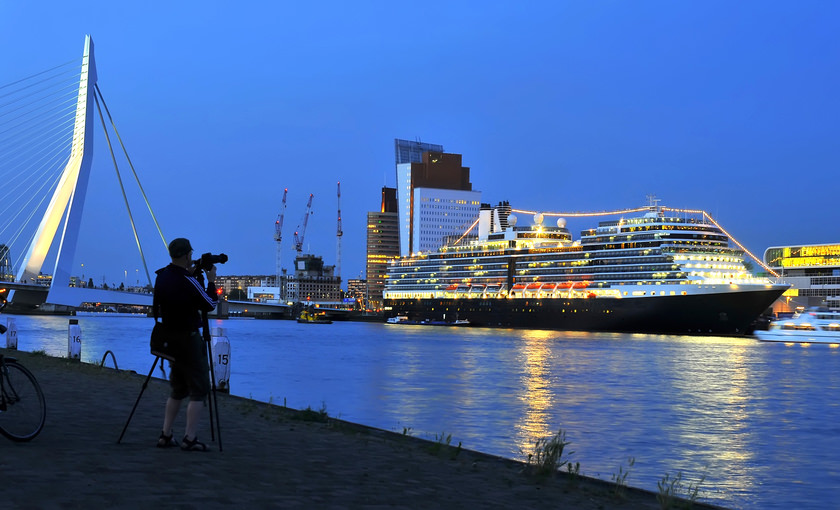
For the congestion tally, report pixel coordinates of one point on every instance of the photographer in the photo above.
(179, 299)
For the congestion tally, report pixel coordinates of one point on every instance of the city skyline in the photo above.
(554, 107)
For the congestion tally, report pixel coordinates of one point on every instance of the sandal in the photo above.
(193, 446)
(165, 441)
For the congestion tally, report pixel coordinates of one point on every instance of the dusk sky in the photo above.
(729, 107)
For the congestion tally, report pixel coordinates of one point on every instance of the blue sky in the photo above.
(730, 107)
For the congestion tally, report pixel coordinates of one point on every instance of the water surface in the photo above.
(761, 421)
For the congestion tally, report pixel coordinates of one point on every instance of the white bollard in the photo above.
(74, 340)
(220, 351)
(11, 333)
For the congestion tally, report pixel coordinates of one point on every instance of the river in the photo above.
(760, 421)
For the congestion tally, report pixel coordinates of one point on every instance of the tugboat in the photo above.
(307, 317)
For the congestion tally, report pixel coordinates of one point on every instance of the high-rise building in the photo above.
(435, 200)
(382, 245)
(406, 151)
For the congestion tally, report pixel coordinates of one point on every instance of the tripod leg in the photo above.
(211, 399)
(145, 384)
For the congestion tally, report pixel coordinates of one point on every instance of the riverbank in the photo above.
(273, 457)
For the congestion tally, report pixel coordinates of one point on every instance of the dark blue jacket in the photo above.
(179, 298)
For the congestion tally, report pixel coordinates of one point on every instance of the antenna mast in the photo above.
(338, 234)
(278, 236)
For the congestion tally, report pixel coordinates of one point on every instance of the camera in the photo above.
(208, 259)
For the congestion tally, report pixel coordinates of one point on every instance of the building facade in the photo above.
(813, 271)
(313, 282)
(406, 151)
(446, 194)
(382, 245)
(441, 216)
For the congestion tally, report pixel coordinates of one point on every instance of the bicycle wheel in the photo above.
(25, 407)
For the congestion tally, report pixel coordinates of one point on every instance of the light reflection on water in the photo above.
(761, 421)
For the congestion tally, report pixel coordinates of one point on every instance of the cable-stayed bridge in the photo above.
(47, 125)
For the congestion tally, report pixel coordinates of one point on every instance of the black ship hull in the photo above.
(724, 313)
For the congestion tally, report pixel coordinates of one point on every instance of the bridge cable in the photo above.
(130, 164)
(74, 61)
(122, 189)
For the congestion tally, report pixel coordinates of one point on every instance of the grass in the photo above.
(549, 455)
(310, 414)
(676, 493)
(620, 479)
(442, 445)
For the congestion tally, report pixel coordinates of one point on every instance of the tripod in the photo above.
(212, 400)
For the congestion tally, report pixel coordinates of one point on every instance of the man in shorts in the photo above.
(179, 299)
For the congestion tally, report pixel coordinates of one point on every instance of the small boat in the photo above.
(815, 325)
(307, 317)
(402, 319)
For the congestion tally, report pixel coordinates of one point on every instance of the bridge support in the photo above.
(69, 196)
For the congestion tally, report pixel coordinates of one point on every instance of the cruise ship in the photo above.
(659, 270)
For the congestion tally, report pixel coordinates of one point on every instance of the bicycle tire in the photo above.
(26, 408)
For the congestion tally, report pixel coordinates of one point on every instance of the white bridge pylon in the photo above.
(68, 200)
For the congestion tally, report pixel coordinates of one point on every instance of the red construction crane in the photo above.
(299, 238)
(278, 236)
(338, 234)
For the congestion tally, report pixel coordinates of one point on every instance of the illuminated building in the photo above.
(435, 200)
(813, 270)
(383, 244)
(406, 151)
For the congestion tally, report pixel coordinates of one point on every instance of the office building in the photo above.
(814, 272)
(435, 200)
(383, 244)
(406, 151)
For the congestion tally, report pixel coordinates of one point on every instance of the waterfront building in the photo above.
(357, 290)
(406, 151)
(313, 282)
(383, 245)
(232, 283)
(435, 201)
(7, 273)
(814, 272)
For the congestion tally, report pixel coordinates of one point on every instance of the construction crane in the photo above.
(299, 237)
(278, 236)
(338, 234)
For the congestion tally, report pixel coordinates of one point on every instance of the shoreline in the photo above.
(273, 457)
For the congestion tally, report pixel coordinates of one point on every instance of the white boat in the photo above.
(814, 325)
(399, 319)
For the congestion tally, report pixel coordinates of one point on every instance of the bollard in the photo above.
(11, 333)
(74, 340)
(220, 352)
